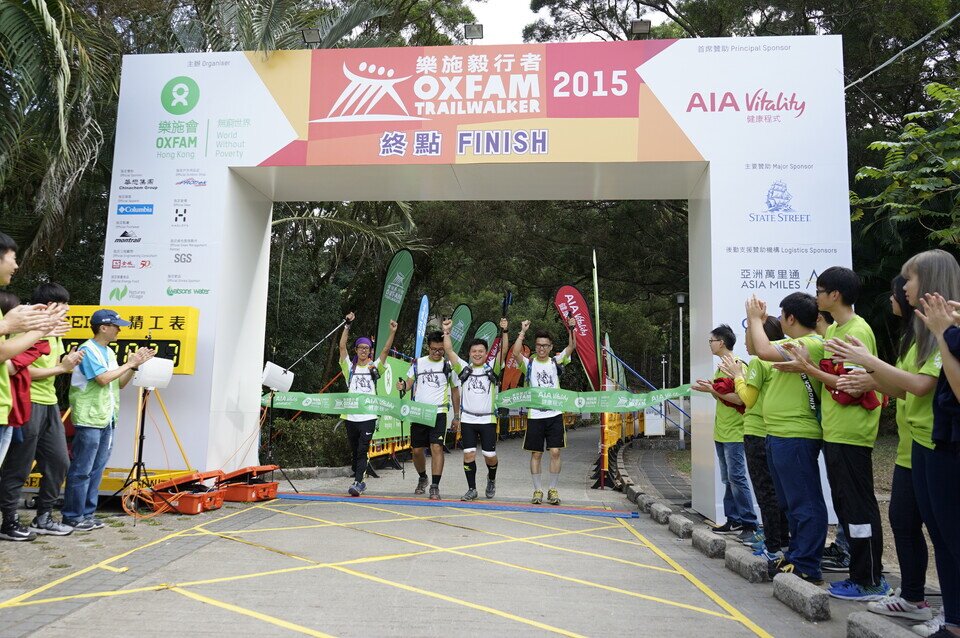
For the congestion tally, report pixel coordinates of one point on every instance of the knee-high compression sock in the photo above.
(537, 484)
(470, 469)
(492, 472)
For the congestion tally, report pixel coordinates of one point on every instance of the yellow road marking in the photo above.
(735, 613)
(253, 614)
(272, 572)
(458, 601)
(259, 546)
(584, 532)
(115, 570)
(63, 579)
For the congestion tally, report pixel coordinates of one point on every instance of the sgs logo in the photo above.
(183, 258)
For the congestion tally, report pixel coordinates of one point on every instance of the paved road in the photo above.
(360, 568)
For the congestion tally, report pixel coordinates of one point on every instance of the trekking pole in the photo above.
(327, 336)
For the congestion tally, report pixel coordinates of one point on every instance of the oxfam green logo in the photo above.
(180, 95)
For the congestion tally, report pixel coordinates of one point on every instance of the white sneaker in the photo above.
(899, 608)
(931, 626)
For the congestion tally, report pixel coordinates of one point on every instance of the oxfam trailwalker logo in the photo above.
(180, 95)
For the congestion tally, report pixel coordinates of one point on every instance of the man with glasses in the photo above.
(850, 423)
(544, 427)
(361, 374)
(728, 439)
(431, 380)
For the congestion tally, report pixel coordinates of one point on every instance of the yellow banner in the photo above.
(170, 330)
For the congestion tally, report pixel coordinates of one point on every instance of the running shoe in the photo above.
(930, 627)
(849, 590)
(95, 523)
(894, 605)
(47, 525)
(434, 492)
(80, 524)
(12, 530)
(728, 528)
(421, 485)
(749, 536)
(471, 495)
(553, 496)
(760, 545)
(783, 566)
(537, 497)
(833, 550)
(836, 562)
(357, 488)
(491, 488)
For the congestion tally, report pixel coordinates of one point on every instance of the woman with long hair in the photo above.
(913, 381)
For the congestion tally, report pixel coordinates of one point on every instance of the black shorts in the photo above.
(486, 432)
(424, 435)
(549, 430)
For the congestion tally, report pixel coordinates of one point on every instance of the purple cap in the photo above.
(363, 341)
(107, 317)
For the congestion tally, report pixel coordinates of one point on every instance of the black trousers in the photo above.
(775, 525)
(908, 536)
(44, 440)
(359, 434)
(850, 472)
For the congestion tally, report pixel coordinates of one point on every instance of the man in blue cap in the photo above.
(95, 406)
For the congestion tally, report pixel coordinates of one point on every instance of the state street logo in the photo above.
(778, 198)
(371, 96)
(180, 95)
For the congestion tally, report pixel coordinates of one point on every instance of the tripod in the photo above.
(138, 473)
(269, 445)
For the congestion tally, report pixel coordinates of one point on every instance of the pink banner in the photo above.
(569, 302)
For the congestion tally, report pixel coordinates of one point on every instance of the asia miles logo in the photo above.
(759, 101)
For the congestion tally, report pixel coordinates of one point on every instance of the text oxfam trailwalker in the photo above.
(751, 134)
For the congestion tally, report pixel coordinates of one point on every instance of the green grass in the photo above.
(680, 461)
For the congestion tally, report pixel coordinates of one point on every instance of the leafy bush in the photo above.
(310, 442)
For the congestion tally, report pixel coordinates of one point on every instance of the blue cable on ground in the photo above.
(469, 505)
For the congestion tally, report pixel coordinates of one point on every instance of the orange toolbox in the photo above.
(248, 484)
(188, 494)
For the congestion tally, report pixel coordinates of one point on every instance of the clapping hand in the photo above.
(936, 313)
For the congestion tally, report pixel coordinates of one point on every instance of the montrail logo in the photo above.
(368, 91)
(128, 237)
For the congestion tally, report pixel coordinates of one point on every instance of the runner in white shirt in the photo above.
(479, 382)
(361, 374)
(431, 380)
(544, 426)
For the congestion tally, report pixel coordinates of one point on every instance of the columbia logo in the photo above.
(135, 209)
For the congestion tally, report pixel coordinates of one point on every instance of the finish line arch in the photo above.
(750, 131)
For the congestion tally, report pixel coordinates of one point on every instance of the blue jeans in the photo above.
(796, 477)
(91, 451)
(737, 497)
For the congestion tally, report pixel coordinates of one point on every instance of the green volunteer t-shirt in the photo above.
(789, 409)
(915, 414)
(758, 371)
(43, 391)
(849, 424)
(728, 423)
(6, 396)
